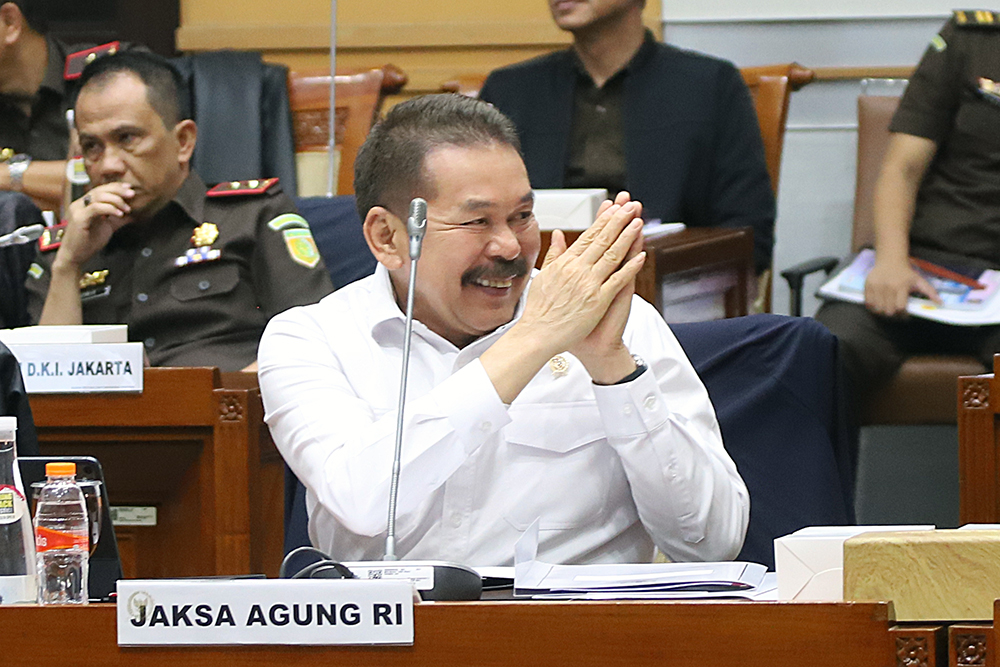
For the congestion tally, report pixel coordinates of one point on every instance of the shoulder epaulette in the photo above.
(51, 238)
(75, 62)
(251, 187)
(977, 18)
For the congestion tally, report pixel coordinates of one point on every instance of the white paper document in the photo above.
(533, 578)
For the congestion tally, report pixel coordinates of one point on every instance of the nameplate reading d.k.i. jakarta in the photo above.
(165, 612)
(80, 368)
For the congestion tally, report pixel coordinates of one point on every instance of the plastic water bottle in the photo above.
(17, 552)
(62, 537)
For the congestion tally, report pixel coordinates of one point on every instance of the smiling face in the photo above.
(481, 242)
(573, 15)
(123, 139)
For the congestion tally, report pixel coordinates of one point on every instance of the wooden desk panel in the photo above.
(487, 634)
(978, 444)
(183, 445)
(688, 255)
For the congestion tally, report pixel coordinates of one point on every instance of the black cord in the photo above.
(323, 567)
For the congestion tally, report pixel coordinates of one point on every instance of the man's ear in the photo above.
(12, 22)
(186, 133)
(386, 237)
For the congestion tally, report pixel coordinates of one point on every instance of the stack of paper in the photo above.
(536, 579)
(76, 359)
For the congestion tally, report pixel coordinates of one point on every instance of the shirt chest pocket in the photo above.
(562, 470)
(204, 281)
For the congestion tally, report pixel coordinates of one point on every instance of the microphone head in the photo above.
(416, 225)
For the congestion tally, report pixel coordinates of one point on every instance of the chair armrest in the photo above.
(794, 275)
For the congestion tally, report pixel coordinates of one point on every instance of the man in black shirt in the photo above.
(620, 111)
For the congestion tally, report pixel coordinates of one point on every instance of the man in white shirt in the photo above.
(524, 400)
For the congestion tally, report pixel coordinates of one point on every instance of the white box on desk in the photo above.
(810, 561)
(570, 209)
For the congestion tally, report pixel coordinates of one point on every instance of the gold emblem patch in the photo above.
(204, 234)
(301, 246)
(93, 278)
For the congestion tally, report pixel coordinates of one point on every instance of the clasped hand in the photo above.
(580, 300)
(92, 219)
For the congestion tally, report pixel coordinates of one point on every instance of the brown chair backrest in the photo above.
(359, 102)
(771, 87)
(874, 114)
(465, 84)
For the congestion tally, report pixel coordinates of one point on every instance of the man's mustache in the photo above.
(498, 269)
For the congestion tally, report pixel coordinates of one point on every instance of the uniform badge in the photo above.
(75, 62)
(36, 271)
(93, 278)
(301, 246)
(989, 90)
(51, 238)
(233, 188)
(202, 238)
(559, 366)
(93, 285)
(205, 234)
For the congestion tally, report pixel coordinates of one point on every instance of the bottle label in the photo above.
(12, 505)
(47, 539)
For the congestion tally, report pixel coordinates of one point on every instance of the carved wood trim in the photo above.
(969, 645)
(976, 394)
(231, 408)
(919, 646)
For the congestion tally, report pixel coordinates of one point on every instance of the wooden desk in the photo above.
(711, 266)
(512, 633)
(186, 445)
(978, 447)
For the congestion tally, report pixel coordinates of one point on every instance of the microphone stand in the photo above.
(416, 226)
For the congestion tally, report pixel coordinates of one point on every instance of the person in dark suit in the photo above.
(620, 111)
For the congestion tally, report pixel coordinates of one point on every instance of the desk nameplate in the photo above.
(205, 612)
(80, 368)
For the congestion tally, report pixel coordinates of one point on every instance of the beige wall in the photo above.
(431, 41)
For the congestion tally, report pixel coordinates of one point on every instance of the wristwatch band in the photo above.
(16, 166)
(640, 368)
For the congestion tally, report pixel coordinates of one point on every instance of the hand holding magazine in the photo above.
(966, 301)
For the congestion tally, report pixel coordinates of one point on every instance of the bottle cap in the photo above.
(8, 426)
(58, 468)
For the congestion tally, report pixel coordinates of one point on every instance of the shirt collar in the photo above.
(388, 321)
(191, 196)
(640, 57)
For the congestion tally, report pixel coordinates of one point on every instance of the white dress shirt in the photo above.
(609, 470)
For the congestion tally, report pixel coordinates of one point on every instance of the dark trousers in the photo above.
(873, 348)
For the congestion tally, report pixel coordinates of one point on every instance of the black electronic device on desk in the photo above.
(105, 563)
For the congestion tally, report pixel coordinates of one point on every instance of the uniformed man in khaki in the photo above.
(195, 273)
(937, 198)
(37, 81)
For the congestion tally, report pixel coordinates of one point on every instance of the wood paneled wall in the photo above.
(431, 41)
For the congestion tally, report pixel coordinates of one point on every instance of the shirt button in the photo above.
(627, 410)
(142, 297)
(456, 519)
(204, 285)
(650, 403)
(146, 252)
(149, 342)
(486, 426)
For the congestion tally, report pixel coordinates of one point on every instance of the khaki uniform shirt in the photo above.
(954, 100)
(197, 283)
(44, 135)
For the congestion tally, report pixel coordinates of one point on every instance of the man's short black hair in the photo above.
(164, 84)
(35, 12)
(389, 168)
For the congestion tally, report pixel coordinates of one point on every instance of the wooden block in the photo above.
(970, 645)
(919, 645)
(941, 575)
